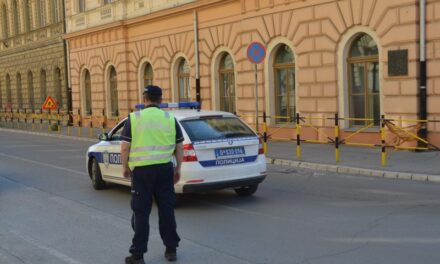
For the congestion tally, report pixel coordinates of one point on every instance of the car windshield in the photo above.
(212, 128)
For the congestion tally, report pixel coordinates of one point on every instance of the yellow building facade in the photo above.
(357, 58)
(32, 55)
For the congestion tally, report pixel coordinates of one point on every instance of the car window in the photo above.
(216, 128)
(116, 133)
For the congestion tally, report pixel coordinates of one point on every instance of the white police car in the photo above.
(220, 152)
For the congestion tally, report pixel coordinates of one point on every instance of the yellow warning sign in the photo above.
(49, 104)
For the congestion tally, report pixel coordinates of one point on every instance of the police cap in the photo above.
(153, 90)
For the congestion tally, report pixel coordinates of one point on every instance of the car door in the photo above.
(112, 155)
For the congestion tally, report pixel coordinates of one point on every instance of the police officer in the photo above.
(149, 140)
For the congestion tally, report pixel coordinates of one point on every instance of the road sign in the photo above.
(49, 104)
(256, 52)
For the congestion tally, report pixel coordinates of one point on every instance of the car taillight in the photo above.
(260, 147)
(189, 154)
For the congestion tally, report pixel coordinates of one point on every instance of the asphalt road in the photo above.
(49, 213)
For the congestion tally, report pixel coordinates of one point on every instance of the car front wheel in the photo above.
(246, 190)
(96, 176)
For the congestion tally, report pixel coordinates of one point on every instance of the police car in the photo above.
(220, 152)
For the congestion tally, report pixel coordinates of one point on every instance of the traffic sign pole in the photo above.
(256, 96)
(256, 53)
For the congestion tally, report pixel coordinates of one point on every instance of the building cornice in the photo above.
(186, 8)
(31, 47)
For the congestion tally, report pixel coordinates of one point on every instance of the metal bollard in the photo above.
(298, 137)
(382, 137)
(59, 122)
(48, 124)
(79, 123)
(91, 128)
(264, 132)
(336, 137)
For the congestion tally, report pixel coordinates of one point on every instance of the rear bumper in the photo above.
(211, 186)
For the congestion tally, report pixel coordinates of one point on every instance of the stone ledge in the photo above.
(420, 177)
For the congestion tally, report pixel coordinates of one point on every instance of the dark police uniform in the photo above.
(148, 182)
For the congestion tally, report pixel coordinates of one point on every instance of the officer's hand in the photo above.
(176, 175)
(127, 173)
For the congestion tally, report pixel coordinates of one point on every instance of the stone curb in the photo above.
(291, 163)
(48, 135)
(356, 171)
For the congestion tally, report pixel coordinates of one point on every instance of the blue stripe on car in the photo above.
(226, 162)
(97, 156)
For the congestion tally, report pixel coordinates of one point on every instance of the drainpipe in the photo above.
(67, 65)
(423, 133)
(196, 47)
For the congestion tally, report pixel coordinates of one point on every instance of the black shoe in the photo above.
(134, 260)
(170, 254)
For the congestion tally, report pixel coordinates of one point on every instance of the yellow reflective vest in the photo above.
(153, 137)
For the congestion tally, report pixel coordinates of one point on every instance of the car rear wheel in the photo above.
(96, 176)
(246, 190)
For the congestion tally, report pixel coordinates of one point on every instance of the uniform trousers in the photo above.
(148, 182)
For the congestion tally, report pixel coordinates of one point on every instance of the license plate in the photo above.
(230, 152)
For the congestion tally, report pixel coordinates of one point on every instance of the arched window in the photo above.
(227, 84)
(30, 83)
(364, 88)
(87, 93)
(15, 17)
(19, 91)
(113, 91)
(41, 12)
(55, 10)
(8, 90)
(5, 26)
(58, 88)
(148, 75)
(284, 75)
(27, 15)
(81, 6)
(183, 74)
(43, 86)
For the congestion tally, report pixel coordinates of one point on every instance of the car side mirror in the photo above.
(103, 137)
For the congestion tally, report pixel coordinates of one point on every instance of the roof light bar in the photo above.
(173, 105)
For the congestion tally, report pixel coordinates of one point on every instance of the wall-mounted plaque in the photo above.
(398, 63)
